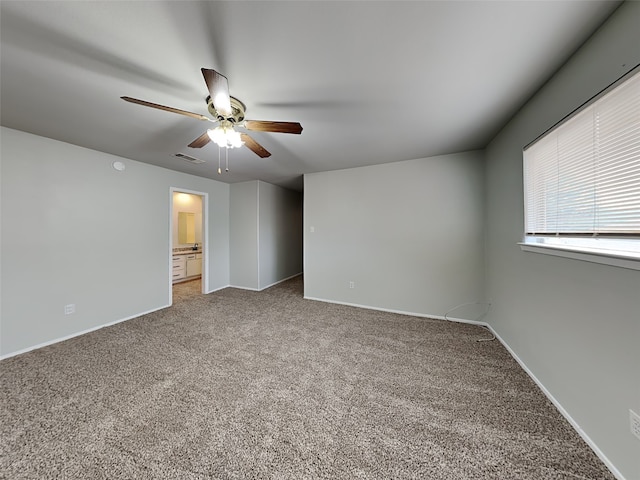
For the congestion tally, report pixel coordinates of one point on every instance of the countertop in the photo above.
(186, 252)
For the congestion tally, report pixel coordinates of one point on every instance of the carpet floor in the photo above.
(240, 384)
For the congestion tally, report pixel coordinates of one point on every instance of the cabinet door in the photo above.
(194, 267)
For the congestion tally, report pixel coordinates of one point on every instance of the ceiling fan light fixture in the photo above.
(228, 111)
(222, 103)
(225, 137)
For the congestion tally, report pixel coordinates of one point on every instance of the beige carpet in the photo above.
(240, 384)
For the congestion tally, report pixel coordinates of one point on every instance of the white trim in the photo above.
(77, 334)
(205, 277)
(268, 286)
(401, 312)
(574, 253)
(540, 385)
(244, 288)
(616, 473)
(280, 281)
(93, 329)
(217, 289)
(258, 234)
(205, 235)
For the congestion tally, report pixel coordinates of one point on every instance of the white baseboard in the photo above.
(268, 286)
(280, 281)
(239, 287)
(77, 334)
(540, 385)
(400, 312)
(217, 289)
(616, 473)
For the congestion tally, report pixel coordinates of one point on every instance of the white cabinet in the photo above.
(186, 266)
(179, 267)
(194, 264)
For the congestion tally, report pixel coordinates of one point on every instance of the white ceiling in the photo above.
(370, 82)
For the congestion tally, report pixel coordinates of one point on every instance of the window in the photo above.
(582, 177)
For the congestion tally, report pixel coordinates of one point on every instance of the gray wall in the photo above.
(280, 233)
(74, 230)
(408, 234)
(266, 234)
(244, 235)
(575, 325)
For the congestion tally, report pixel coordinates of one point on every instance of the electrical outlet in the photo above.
(352, 284)
(634, 419)
(69, 309)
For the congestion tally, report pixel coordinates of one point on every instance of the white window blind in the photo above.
(583, 177)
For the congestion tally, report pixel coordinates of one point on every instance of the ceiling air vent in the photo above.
(189, 158)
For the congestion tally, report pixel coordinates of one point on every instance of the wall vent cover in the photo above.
(189, 158)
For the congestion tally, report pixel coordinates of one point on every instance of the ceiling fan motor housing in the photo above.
(237, 110)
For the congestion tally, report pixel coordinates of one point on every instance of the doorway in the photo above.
(188, 243)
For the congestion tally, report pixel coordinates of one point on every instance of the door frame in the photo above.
(205, 238)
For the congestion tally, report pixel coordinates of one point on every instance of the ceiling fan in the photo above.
(228, 112)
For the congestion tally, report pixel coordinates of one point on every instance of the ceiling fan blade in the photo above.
(219, 90)
(166, 109)
(201, 141)
(254, 146)
(278, 127)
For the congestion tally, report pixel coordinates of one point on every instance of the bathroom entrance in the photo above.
(188, 225)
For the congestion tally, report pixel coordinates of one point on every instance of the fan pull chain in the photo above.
(227, 158)
(219, 170)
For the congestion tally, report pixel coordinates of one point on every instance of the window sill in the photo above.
(606, 258)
